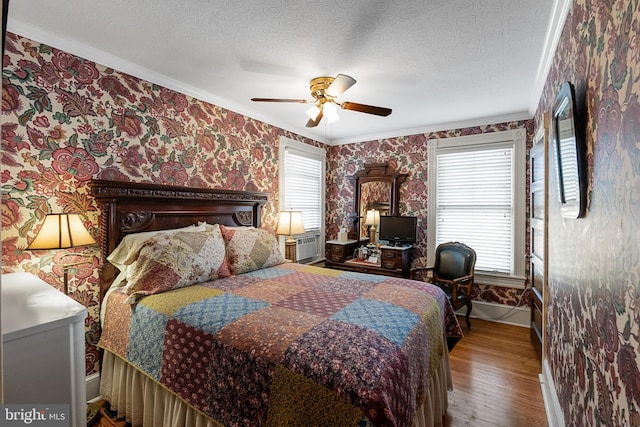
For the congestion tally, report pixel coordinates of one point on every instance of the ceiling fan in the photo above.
(325, 90)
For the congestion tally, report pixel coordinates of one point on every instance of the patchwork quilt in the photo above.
(289, 345)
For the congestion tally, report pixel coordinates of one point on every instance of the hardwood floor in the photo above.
(495, 378)
(104, 419)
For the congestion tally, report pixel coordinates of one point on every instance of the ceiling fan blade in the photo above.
(339, 85)
(313, 123)
(370, 109)
(300, 101)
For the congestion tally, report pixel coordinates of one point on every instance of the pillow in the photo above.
(131, 245)
(250, 249)
(171, 261)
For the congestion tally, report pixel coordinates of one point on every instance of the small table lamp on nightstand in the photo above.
(373, 220)
(62, 231)
(290, 223)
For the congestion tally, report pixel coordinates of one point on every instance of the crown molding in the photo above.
(557, 21)
(481, 121)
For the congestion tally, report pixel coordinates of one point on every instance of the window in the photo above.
(302, 184)
(477, 196)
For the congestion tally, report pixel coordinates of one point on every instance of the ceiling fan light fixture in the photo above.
(330, 112)
(324, 90)
(313, 112)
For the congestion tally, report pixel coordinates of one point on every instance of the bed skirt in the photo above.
(144, 402)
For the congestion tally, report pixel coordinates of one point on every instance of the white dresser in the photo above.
(43, 350)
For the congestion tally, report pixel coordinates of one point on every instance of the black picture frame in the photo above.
(569, 149)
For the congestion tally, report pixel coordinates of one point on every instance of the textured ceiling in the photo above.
(437, 63)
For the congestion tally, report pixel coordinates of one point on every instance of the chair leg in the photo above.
(466, 317)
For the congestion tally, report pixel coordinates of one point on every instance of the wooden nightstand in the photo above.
(43, 350)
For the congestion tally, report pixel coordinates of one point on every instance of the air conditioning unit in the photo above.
(306, 247)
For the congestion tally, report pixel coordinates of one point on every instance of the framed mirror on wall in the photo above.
(374, 196)
(569, 150)
(377, 186)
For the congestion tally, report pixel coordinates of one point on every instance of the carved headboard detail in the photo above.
(133, 222)
(127, 207)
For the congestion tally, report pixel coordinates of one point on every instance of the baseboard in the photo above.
(93, 386)
(517, 316)
(550, 397)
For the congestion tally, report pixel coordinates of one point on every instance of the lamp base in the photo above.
(290, 249)
(372, 235)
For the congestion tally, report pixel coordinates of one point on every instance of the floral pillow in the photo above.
(251, 249)
(130, 247)
(171, 261)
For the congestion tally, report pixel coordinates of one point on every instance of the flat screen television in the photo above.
(398, 230)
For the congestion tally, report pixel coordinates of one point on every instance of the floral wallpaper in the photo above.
(66, 120)
(593, 331)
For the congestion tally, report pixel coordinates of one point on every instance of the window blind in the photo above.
(303, 188)
(475, 203)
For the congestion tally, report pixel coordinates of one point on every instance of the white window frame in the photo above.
(518, 138)
(312, 152)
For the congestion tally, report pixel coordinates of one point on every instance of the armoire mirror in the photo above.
(377, 186)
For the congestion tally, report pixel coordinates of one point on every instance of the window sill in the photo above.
(497, 279)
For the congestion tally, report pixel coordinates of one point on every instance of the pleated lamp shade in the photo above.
(61, 231)
(290, 223)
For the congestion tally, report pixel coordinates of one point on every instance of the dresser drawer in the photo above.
(335, 257)
(389, 254)
(390, 259)
(337, 249)
(389, 264)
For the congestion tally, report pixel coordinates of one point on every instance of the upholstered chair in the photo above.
(453, 271)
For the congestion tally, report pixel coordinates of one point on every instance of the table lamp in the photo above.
(372, 219)
(62, 231)
(290, 223)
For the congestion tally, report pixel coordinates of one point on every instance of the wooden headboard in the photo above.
(127, 207)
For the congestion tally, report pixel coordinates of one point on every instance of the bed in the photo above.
(255, 340)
